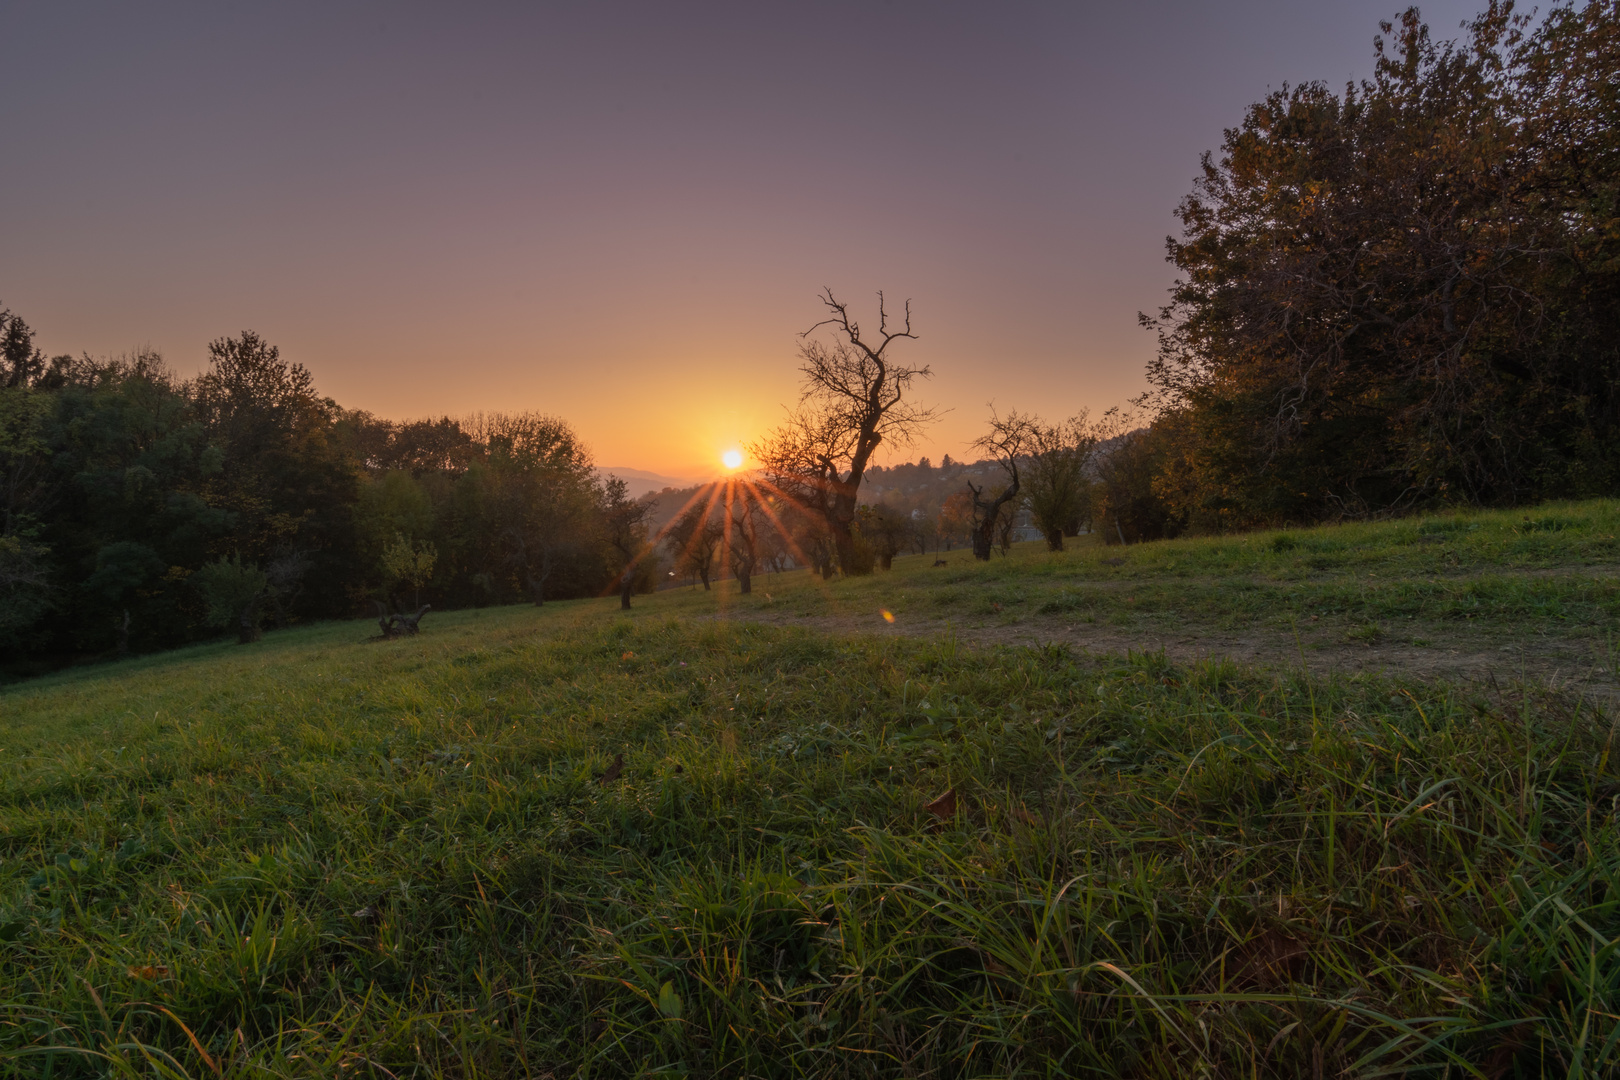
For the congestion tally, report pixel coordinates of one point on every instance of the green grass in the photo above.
(325, 856)
(1545, 583)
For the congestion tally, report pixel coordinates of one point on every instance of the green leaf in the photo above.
(669, 1002)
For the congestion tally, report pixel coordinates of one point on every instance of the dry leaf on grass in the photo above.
(613, 771)
(944, 807)
(1269, 961)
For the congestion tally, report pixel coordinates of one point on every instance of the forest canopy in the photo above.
(139, 510)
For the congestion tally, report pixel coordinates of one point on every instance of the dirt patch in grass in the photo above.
(1430, 650)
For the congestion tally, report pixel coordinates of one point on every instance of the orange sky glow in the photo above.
(623, 215)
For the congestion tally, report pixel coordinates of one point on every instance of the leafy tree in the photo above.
(21, 362)
(288, 476)
(24, 453)
(623, 523)
(887, 529)
(409, 562)
(130, 469)
(393, 504)
(234, 592)
(1406, 293)
(124, 569)
(24, 590)
(1130, 465)
(542, 483)
(1057, 487)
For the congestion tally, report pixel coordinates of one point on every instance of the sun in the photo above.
(731, 459)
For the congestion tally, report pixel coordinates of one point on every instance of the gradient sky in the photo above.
(621, 213)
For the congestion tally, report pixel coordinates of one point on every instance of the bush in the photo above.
(233, 591)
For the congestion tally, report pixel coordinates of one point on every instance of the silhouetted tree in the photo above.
(1005, 443)
(742, 529)
(854, 397)
(624, 529)
(1057, 486)
(694, 538)
(1409, 292)
(21, 362)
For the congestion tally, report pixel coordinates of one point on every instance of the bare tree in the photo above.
(854, 398)
(1005, 443)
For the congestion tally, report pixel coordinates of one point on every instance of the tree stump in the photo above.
(401, 623)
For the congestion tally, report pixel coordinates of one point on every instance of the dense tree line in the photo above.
(139, 510)
(1404, 294)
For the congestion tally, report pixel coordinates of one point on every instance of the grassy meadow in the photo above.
(776, 835)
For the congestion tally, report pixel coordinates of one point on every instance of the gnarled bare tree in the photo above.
(854, 397)
(1008, 440)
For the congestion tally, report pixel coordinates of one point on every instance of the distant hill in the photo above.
(640, 482)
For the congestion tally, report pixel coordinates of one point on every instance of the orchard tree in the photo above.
(1006, 443)
(743, 525)
(1057, 487)
(888, 529)
(623, 522)
(694, 540)
(855, 396)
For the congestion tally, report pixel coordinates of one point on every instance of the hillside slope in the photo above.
(537, 842)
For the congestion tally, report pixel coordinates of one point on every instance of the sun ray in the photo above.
(652, 542)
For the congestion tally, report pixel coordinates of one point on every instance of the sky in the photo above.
(622, 214)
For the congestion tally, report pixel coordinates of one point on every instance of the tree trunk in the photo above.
(983, 540)
(845, 542)
(987, 515)
(627, 584)
(704, 574)
(886, 560)
(745, 578)
(123, 635)
(247, 630)
(1054, 539)
(408, 624)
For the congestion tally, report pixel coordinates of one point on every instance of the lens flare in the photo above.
(731, 459)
